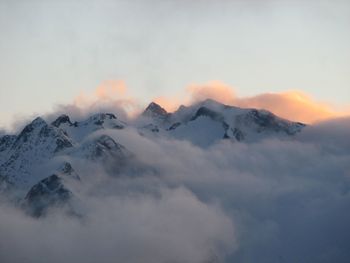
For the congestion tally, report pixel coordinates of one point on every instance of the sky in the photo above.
(52, 52)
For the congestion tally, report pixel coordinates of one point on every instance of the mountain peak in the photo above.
(214, 104)
(62, 119)
(103, 116)
(209, 100)
(49, 192)
(154, 110)
(99, 118)
(38, 122)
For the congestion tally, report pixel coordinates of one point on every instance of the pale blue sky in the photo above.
(52, 50)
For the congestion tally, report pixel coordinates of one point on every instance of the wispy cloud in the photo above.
(294, 105)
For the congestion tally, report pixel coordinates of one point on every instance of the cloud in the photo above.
(109, 94)
(114, 96)
(169, 104)
(108, 90)
(275, 200)
(172, 227)
(286, 199)
(195, 93)
(293, 105)
(215, 90)
(269, 201)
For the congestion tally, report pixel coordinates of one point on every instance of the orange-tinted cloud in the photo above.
(292, 105)
(214, 90)
(194, 93)
(107, 91)
(111, 89)
(170, 104)
(108, 95)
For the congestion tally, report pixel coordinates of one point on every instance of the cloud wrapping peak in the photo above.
(109, 94)
(114, 96)
(293, 105)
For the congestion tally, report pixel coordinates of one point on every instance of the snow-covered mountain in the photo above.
(37, 143)
(34, 162)
(209, 121)
(78, 130)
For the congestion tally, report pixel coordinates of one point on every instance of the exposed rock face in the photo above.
(154, 110)
(49, 192)
(63, 119)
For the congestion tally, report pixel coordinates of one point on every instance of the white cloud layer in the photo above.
(271, 201)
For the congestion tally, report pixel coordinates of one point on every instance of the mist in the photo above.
(271, 201)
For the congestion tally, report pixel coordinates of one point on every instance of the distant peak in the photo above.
(154, 109)
(103, 116)
(61, 119)
(38, 121)
(211, 102)
(154, 106)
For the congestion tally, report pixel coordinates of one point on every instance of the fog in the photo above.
(270, 201)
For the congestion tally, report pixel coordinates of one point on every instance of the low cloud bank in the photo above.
(174, 226)
(271, 201)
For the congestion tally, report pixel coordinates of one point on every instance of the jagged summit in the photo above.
(206, 122)
(36, 125)
(155, 110)
(211, 102)
(49, 192)
(38, 121)
(97, 119)
(101, 120)
(102, 116)
(77, 130)
(61, 120)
